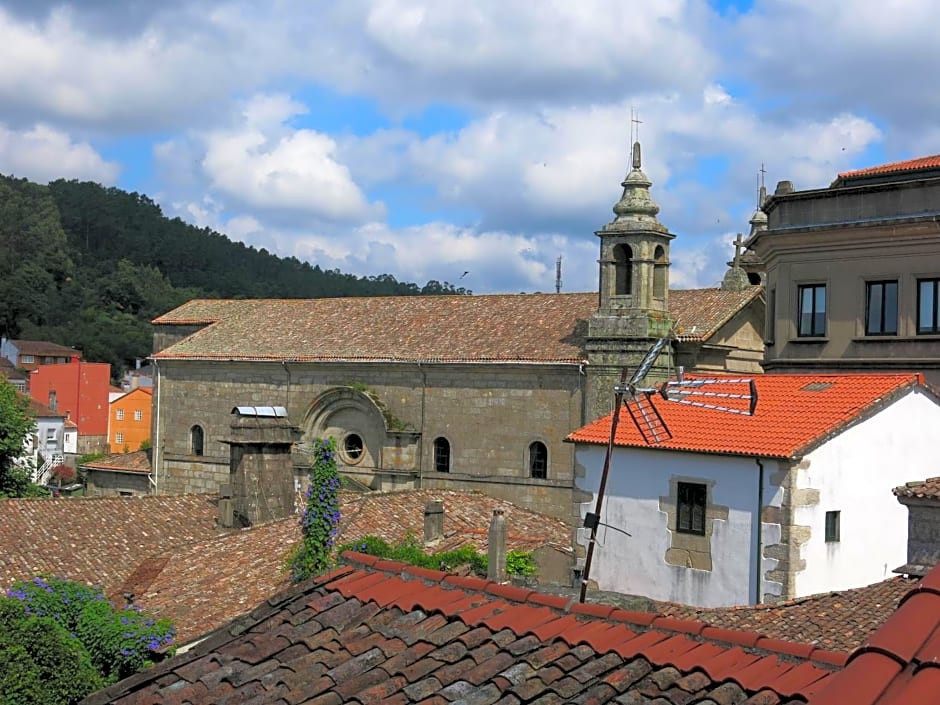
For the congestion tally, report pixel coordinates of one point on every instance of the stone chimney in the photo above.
(433, 521)
(260, 469)
(922, 499)
(496, 568)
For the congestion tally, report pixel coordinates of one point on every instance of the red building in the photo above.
(79, 390)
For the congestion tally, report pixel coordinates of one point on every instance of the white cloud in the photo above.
(45, 154)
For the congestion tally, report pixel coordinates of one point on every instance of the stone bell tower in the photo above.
(633, 309)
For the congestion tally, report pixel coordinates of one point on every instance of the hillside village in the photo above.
(773, 539)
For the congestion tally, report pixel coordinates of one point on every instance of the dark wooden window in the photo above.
(197, 440)
(881, 308)
(623, 268)
(441, 455)
(832, 526)
(928, 303)
(538, 460)
(812, 317)
(690, 512)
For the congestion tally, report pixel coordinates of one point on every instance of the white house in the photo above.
(735, 509)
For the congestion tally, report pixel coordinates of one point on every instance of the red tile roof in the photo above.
(42, 348)
(203, 585)
(794, 413)
(378, 631)
(138, 461)
(900, 663)
(41, 410)
(931, 162)
(838, 621)
(96, 540)
(922, 489)
(498, 328)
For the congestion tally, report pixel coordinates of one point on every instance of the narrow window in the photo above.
(119, 414)
(928, 302)
(538, 460)
(832, 526)
(812, 317)
(659, 273)
(690, 515)
(623, 266)
(196, 437)
(119, 438)
(138, 415)
(881, 308)
(53, 402)
(441, 455)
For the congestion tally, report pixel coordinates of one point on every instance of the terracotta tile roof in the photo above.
(138, 461)
(202, 586)
(97, 540)
(925, 489)
(899, 663)
(41, 410)
(931, 162)
(498, 328)
(9, 371)
(43, 348)
(383, 632)
(838, 621)
(794, 413)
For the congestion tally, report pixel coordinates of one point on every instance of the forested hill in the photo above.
(89, 267)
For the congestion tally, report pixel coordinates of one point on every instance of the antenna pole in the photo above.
(558, 275)
(618, 402)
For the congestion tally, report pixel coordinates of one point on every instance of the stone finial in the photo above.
(636, 209)
(496, 567)
(735, 278)
(636, 155)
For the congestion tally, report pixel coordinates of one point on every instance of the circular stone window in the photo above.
(353, 448)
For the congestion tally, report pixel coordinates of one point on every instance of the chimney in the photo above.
(496, 568)
(433, 521)
(135, 380)
(783, 188)
(922, 500)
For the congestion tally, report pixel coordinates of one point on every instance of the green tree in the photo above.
(16, 423)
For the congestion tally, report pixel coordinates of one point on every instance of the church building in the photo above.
(449, 392)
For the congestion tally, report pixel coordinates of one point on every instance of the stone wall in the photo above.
(112, 484)
(489, 414)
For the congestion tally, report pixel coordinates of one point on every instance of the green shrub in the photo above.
(320, 520)
(117, 642)
(520, 563)
(40, 662)
(412, 552)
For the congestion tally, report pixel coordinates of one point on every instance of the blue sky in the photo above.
(425, 140)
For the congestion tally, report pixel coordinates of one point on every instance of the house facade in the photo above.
(79, 390)
(450, 392)
(736, 509)
(129, 420)
(853, 272)
(29, 355)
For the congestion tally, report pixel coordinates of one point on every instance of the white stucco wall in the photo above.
(636, 564)
(855, 473)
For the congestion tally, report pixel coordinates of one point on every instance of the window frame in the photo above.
(138, 414)
(870, 287)
(27, 359)
(538, 460)
(119, 438)
(833, 530)
(814, 313)
(934, 328)
(441, 455)
(119, 414)
(687, 494)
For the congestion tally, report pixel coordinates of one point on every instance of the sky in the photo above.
(473, 143)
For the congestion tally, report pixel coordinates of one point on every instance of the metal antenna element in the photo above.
(558, 275)
(640, 404)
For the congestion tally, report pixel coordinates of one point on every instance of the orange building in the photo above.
(130, 420)
(79, 390)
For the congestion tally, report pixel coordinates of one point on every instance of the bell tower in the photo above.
(633, 306)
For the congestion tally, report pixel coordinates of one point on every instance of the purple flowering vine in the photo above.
(319, 522)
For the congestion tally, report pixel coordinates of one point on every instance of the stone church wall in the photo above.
(489, 414)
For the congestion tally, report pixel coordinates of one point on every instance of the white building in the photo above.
(736, 509)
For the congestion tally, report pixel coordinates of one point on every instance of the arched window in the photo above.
(196, 440)
(623, 268)
(441, 454)
(659, 273)
(538, 460)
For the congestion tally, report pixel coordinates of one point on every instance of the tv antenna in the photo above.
(639, 401)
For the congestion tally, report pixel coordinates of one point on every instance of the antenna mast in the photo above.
(558, 275)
